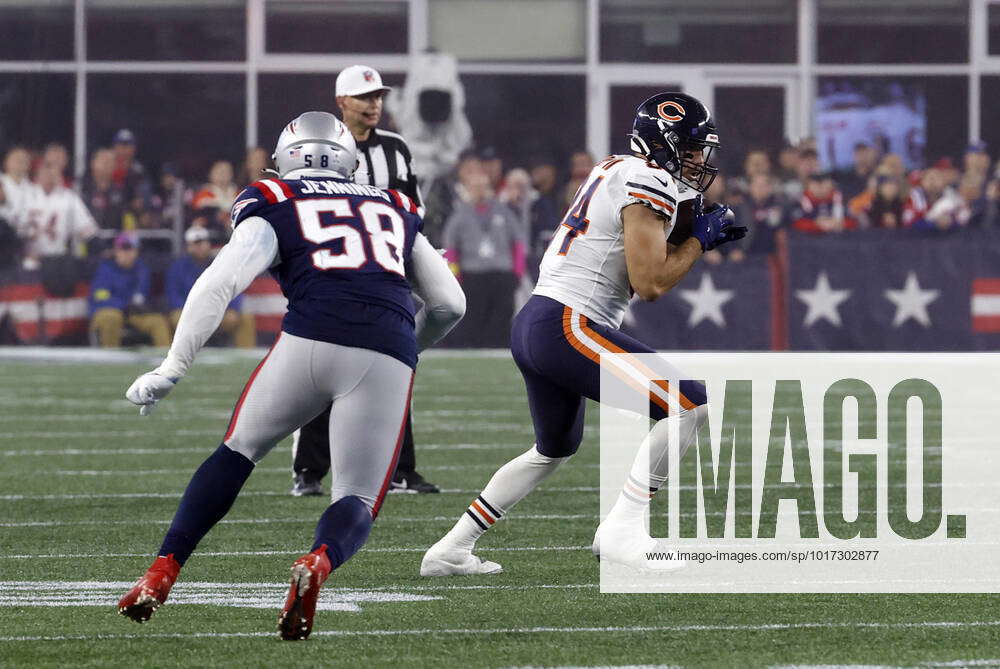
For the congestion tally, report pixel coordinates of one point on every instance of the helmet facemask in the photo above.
(670, 155)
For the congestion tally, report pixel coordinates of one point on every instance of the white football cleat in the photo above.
(444, 560)
(630, 545)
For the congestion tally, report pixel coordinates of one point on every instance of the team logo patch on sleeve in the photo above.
(239, 206)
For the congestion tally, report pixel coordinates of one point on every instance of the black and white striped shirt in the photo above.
(384, 162)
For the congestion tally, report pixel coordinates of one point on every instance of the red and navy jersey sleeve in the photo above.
(406, 204)
(257, 196)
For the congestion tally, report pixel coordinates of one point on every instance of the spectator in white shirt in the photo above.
(15, 186)
(57, 220)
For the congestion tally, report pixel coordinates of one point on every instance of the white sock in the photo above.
(509, 485)
(649, 469)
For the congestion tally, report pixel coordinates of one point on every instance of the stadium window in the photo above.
(501, 116)
(32, 30)
(282, 97)
(748, 117)
(698, 31)
(307, 26)
(989, 103)
(36, 109)
(923, 119)
(206, 120)
(993, 14)
(166, 30)
(893, 31)
(487, 30)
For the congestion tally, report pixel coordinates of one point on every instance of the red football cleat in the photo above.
(151, 590)
(308, 573)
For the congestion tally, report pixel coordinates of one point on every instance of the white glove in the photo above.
(149, 389)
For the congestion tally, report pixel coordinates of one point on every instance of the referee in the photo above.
(384, 162)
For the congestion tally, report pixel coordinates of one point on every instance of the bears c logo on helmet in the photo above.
(661, 110)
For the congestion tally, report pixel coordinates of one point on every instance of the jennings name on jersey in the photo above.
(342, 249)
(584, 265)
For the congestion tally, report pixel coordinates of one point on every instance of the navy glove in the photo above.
(730, 231)
(715, 227)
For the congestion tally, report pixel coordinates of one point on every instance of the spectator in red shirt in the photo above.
(933, 203)
(821, 207)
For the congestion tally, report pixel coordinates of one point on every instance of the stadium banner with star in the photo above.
(870, 290)
(877, 290)
(715, 307)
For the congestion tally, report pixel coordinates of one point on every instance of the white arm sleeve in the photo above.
(433, 282)
(252, 249)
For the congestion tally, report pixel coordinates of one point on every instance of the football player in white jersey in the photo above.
(612, 242)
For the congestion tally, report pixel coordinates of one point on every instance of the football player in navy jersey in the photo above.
(342, 253)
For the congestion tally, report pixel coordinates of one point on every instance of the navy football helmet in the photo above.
(670, 125)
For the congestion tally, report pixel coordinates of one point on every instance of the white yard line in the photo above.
(767, 627)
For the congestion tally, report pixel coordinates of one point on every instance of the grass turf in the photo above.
(69, 443)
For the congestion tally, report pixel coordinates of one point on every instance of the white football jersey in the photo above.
(55, 219)
(584, 265)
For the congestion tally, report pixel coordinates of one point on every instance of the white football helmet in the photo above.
(318, 141)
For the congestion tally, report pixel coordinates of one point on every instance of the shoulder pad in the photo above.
(652, 186)
(256, 196)
(402, 201)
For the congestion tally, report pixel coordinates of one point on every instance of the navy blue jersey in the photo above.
(342, 247)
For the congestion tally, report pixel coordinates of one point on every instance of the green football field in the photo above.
(87, 489)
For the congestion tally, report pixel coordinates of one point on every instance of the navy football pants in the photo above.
(558, 351)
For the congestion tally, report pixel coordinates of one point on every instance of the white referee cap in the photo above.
(358, 80)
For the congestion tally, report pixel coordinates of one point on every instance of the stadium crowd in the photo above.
(140, 240)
